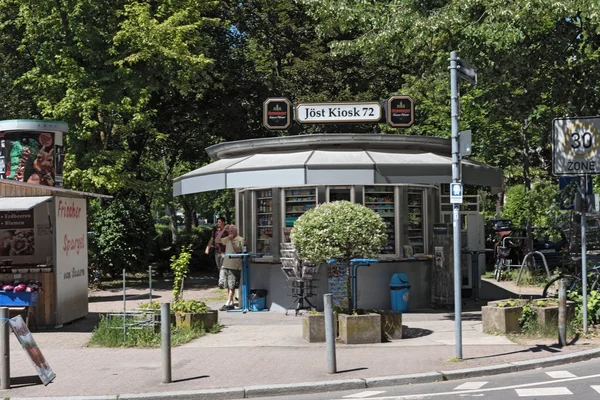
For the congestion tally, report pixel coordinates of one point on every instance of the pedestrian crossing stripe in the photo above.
(560, 374)
(470, 386)
(552, 391)
(363, 395)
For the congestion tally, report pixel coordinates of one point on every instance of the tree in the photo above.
(340, 231)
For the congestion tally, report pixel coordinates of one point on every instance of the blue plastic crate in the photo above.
(18, 299)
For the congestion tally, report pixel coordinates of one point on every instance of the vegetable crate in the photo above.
(18, 299)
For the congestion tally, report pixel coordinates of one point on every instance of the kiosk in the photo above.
(405, 179)
(43, 227)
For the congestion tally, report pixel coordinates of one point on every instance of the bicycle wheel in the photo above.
(498, 270)
(551, 288)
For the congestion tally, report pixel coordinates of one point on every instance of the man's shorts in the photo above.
(232, 278)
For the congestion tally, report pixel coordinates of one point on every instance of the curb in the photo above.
(345, 384)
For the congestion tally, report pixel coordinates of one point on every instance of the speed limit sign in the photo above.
(575, 146)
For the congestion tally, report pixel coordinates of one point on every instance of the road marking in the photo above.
(555, 391)
(560, 374)
(470, 386)
(362, 395)
(596, 388)
(470, 392)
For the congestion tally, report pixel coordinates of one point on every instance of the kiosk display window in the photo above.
(382, 200)
(297, 202)
(264, 221)
(416, 234)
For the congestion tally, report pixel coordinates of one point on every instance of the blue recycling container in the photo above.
(399, 288)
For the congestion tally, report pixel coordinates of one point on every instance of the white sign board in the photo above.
(456, 193)
(71, 259)
(317, 113)
(575, 146)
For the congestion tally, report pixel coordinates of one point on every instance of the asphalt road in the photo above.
(578, 381)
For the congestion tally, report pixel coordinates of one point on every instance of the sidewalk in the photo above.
(263, 353)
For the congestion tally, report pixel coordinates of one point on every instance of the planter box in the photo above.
(501, 319)
(359, 329)
(207, 319)
(391, 325)
(547, 315)
(313, 327)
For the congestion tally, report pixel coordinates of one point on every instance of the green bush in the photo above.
(122, 236)
(593, 309)
(189, 306)
(180, 265)
(340, 230)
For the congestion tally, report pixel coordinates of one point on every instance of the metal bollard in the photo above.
(165, 335)
(562, 313)
(329, 333)
(4, 349)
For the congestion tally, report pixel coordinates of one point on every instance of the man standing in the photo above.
(218, 248)
(232, 267)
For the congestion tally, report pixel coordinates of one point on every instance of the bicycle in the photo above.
(503, 262)
(573, 282)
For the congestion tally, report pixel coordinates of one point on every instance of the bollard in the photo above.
(5, 349)
(329, 333)
(165, 335)
(562, 312)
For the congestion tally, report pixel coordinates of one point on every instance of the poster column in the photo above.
(71, 259)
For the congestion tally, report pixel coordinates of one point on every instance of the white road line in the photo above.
(560, 374)
(496, 389)
(554, 391)
(596, 388)
(362, 395)
(470, 386)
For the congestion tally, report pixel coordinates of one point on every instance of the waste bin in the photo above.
(399, 288)
(258, 299)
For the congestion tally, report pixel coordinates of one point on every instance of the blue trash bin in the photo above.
(399, 288)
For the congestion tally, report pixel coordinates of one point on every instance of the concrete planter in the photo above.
(547, 311)
(501, 316)
(313, 327)
(391, 325)
(207, 319)
(359, 329)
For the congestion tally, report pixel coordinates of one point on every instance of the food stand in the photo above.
(43, 227)
(405, 179)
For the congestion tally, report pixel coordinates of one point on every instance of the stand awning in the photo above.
(21, 203)
(349, 161)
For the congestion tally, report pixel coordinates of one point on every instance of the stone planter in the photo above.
(313, 327)
(359, 329)
(391, 325)
(207, 319)
(547, 311)
(502, 317)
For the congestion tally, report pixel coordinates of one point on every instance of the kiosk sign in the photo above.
(317, 113)
(400, 111)
(277, 113)
(575, 146)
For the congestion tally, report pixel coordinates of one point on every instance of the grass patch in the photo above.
(219, 295)
(109, 333)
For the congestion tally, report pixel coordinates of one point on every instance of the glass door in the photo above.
(296, 202)
(382, 200)
(416, 237)
(264, 221)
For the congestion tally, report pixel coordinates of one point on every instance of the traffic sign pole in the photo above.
(456, 206)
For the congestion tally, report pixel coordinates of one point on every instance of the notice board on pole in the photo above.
(24, 336)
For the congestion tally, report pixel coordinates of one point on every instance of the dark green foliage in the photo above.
(122, 233)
